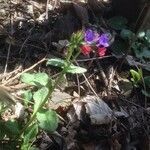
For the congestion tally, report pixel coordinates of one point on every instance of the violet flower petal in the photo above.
(104, 40)
(91, 36)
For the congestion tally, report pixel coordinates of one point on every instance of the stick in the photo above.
(26, 70)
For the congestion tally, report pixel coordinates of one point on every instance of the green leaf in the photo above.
(148, 35)
(48, 120)
(76, 69)
(147, 81)
(27, 96)
(146, 93)
(76, 39)
(136, 76)
(61, 63)
(2, 131)
(34, 148)
(127, 34)
(37, 79)
(140, 52)
(136, 45)
(145, 52)
(119, 48)
(12, 128)
(117, 22)
(39, 96)
(56, 62)
(11, 145)
(29, 136)
(30, 133)
(141, 34)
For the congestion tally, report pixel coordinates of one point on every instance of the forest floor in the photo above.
(105, 103)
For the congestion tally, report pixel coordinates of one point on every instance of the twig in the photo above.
(25, 45)
(26, 40)
(11, 18)
(46, 12)
(26, 70)
(124, 99)
(11, 33)
(87, 78)
(78, 82)
(19, 86)
(89, 83)
(10, 73)
(102, 73)
(89, 59)
(140, 15)
(111, 78)
(55, 4)
(8, 53)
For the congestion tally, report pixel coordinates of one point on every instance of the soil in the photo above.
(31, 31)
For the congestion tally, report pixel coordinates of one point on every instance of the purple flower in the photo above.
(91, 36)
(104, 39)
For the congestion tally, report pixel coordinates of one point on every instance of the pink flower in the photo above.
(85, 49)
(102, 51)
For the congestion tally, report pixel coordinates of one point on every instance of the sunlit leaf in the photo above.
(61, 63)
(56, 62)
(37, 79)
(76, 69)
(136, 76)
(29, 135)
(27, 96)
(141, 34)
(48, 120)
(39, 96)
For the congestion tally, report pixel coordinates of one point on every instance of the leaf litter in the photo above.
(105, 120)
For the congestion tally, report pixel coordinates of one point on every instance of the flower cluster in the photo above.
(92, 38)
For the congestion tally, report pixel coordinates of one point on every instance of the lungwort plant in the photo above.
(22, 134)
